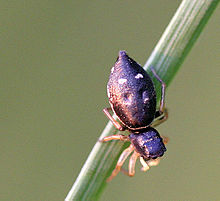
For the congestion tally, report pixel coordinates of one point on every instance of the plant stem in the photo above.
(168, 55)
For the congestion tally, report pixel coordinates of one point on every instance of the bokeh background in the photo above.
(55, 62)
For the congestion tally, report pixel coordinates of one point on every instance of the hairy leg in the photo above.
(120, 162)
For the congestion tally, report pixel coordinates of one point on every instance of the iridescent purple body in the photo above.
(132, 97)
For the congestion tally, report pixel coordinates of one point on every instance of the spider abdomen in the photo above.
(131, 93)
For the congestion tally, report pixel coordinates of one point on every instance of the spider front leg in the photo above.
(131, 166)
(147, 164)
(120, 162)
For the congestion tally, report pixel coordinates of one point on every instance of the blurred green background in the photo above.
(55, 62)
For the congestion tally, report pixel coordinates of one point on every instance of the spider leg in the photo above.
(162, 114)
(120, 162)
(153, 162)
(160, 118)
(163, 87)
(132, 162)
(131, 166)
(165, 139)
(115, 137)
(144, 164)
(147, 164)
(114, 122)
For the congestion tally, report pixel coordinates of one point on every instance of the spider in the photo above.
(132, 98)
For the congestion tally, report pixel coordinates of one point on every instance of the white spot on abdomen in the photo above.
(139, 76)
(108, 92)
(112, 69)
(146, 99)
(122, 81)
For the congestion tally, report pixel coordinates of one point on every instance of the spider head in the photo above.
(148, 143)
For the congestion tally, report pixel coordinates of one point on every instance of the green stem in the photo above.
(168, 55)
